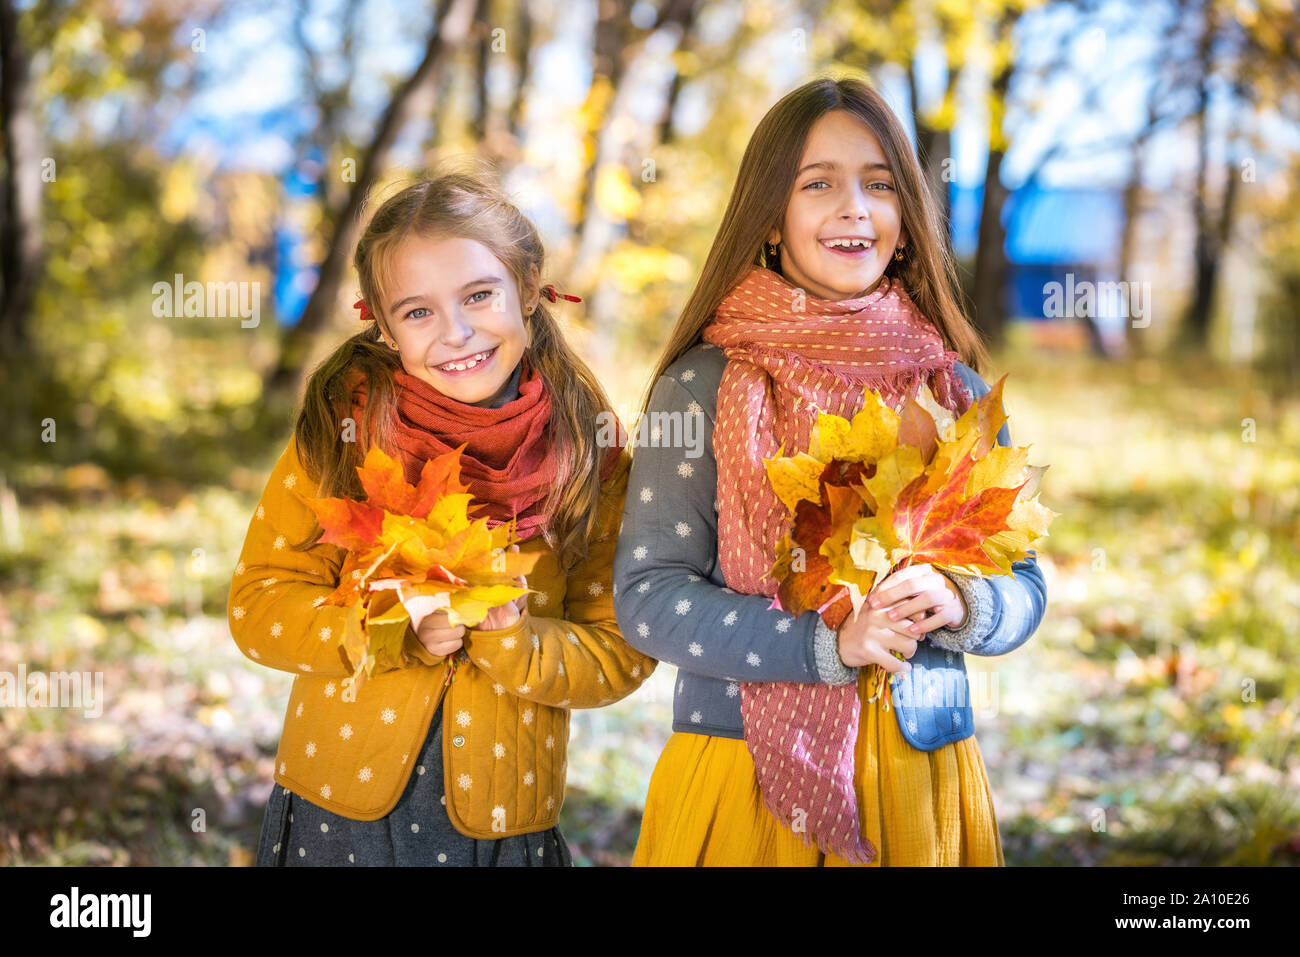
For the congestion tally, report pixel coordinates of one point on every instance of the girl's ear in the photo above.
(532, 291)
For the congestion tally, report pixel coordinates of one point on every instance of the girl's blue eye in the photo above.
(481, 292)
(412, 313)
(886, 185)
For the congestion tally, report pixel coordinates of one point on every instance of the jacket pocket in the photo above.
(933, 704)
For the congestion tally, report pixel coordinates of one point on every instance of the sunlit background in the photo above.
(1152, 719)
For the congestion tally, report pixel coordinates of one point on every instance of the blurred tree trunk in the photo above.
(608, 64)
(1197, 319)
(933, 144)
(1132, 207)
(478, 123)
(452, 26)
(592, 225)
(621, 147)
(523, 49)
(991, 267)
(1169, 78)
(1252, 65)
(332, 104)
(1213, 227)
(21, 248)
(664, 132)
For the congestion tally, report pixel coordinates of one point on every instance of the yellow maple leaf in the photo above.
(867, 437)
(795, 478)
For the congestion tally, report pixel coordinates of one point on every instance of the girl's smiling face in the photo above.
(843, 191)
(455, 315)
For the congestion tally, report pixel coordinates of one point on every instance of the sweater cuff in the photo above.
(977, 592)
(831, 669)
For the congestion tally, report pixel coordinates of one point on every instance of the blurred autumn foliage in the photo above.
(1153, 718)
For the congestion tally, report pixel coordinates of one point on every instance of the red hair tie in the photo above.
(366, 315)
(549, 292)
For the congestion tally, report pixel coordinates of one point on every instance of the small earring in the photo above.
(898, 254)
(771, 249)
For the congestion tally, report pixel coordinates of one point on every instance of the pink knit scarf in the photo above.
(790, 356)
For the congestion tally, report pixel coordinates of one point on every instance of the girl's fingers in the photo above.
(903, 583)
(443, 648)
(902, 575)
(891, 629)
(899, 638)
(927, 624)
(441, 634)
(904, 610)
(892, 664)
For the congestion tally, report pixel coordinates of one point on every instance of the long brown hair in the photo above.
(758, 202)
(468, 204)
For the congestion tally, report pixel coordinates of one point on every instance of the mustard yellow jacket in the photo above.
(506, 715)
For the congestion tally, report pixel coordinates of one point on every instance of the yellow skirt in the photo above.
(918, 808)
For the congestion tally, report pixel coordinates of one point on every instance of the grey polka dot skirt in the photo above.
(417, 832)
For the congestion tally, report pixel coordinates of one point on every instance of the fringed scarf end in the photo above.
(861, 851)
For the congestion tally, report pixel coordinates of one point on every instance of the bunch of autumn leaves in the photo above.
(407, 540)
(887, 489)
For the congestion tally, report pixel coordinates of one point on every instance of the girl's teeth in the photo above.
(467, 364)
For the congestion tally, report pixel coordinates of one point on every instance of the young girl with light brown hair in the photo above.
(426, 763)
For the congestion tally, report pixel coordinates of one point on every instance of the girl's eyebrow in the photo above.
(477, 282)
(831, 165)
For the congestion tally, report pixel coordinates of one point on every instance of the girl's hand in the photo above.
(922, 594)
(419, 607)
(872, 638)
(439, 637)
(901, 608)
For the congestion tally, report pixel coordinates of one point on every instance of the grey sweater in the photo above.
(671, 598)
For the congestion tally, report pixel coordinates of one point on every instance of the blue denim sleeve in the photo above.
(668, 547)
(1003, 611)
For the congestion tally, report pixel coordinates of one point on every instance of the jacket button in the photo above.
(459, 740)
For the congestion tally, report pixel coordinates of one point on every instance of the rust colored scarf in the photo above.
(790, 356)
(509, 463)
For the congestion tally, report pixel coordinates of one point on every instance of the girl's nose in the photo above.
(856, 206)
(456, 331)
